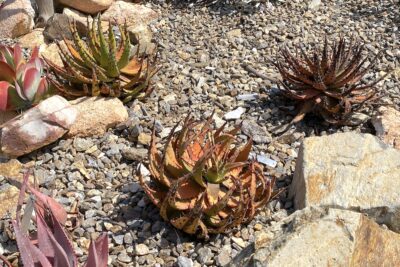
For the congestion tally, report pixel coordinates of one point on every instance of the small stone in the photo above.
(239, 241)
(128, 239)
(82, 144)
(141, 249)
(314, 4)
(124, 257)
(234, 114)
(266, 161)
(184, 262)
(144, 139)
(134, 154)
(118, 239)
(234, 33)
(247, 97)
(205, 255)
(224, 256)
(256, 132)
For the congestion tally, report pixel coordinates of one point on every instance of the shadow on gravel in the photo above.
(377, 10)
(219, 7)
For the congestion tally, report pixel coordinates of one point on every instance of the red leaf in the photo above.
(56, 209)
(30, 254)
(64, 251)
(31, 82)
(6, 72)
(98, 252)
(4, 86)
(44, 242)
(18, 56)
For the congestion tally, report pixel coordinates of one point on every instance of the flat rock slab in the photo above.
(96, 115)
(37, 127)
(88, 6)
(350, 171)
(326, 237)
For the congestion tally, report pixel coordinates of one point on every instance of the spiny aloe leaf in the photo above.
(44, 242)
(124, 51)
(103, 44)
(113, 70)
(98, 252)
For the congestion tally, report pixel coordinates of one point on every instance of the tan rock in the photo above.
(52, 53)
(327, 237)
(32, 39)
(138, 17)
(387, 125)
(96, 115)
(88, 6)
(9, 193)
(37, 127)
(61, 21)
(121, 11)
(8, 199)
(16, 18)
(351, 171)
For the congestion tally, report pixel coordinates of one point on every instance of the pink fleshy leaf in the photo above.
(6, 72)
(4, 86)
(18, 56)
(44, 242)
(35, 52)
(64, 251)
(47, 202)
(98, 252)
(30, 254)
(8, 54)
(31, 82)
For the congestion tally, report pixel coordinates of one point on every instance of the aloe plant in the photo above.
(49, 246)
(101, 65)
(22, 83)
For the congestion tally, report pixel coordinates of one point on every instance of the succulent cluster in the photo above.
(22, 83)
(328, 82)
(49, 245)
(101, 65)
(203, 182)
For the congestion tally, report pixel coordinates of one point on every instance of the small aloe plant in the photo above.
(22, 83)
(49, 246)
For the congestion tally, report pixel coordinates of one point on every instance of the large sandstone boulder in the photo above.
(326, 237)
(16, 18)
(137, 17)
(33, 39)
(350, 171)
(8, 192)
(88, 6)
(96, 115)
(37, 127)
(387, 125)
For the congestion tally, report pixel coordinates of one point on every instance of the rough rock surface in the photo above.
(121, 11)
(327, 237)
(387, 125)
(96, 115)
(88, 6)
(32, 39)
(351, 171)
(37, 127)
(52, 53)
(16, 18)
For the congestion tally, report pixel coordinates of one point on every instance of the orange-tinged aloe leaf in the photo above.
(134, 67)
(180, 222)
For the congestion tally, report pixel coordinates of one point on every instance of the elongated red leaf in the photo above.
(18, 56)
(98, 252)
(64, 251)
(30, 254)
(4, 86)
(56, 209)
(44, 242)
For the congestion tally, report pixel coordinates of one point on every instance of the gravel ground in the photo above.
(202, 51)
